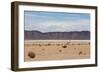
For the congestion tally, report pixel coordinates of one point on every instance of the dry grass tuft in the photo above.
(31, 54)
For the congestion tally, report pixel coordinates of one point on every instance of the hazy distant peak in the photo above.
(72, 35)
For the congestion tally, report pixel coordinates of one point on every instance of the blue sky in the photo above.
(56, 21)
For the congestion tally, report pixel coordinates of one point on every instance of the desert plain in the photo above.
(46, 50)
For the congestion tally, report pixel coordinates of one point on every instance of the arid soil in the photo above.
(43, 50)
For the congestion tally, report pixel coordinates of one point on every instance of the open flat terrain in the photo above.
(43, 50)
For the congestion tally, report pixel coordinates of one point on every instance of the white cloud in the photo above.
(61, 26)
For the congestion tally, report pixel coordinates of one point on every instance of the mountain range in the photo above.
(72, 35)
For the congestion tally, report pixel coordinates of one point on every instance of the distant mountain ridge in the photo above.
(72, 35)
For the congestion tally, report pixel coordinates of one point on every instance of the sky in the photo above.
(56, 21)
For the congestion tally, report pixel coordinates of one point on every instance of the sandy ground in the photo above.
(36, 50)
